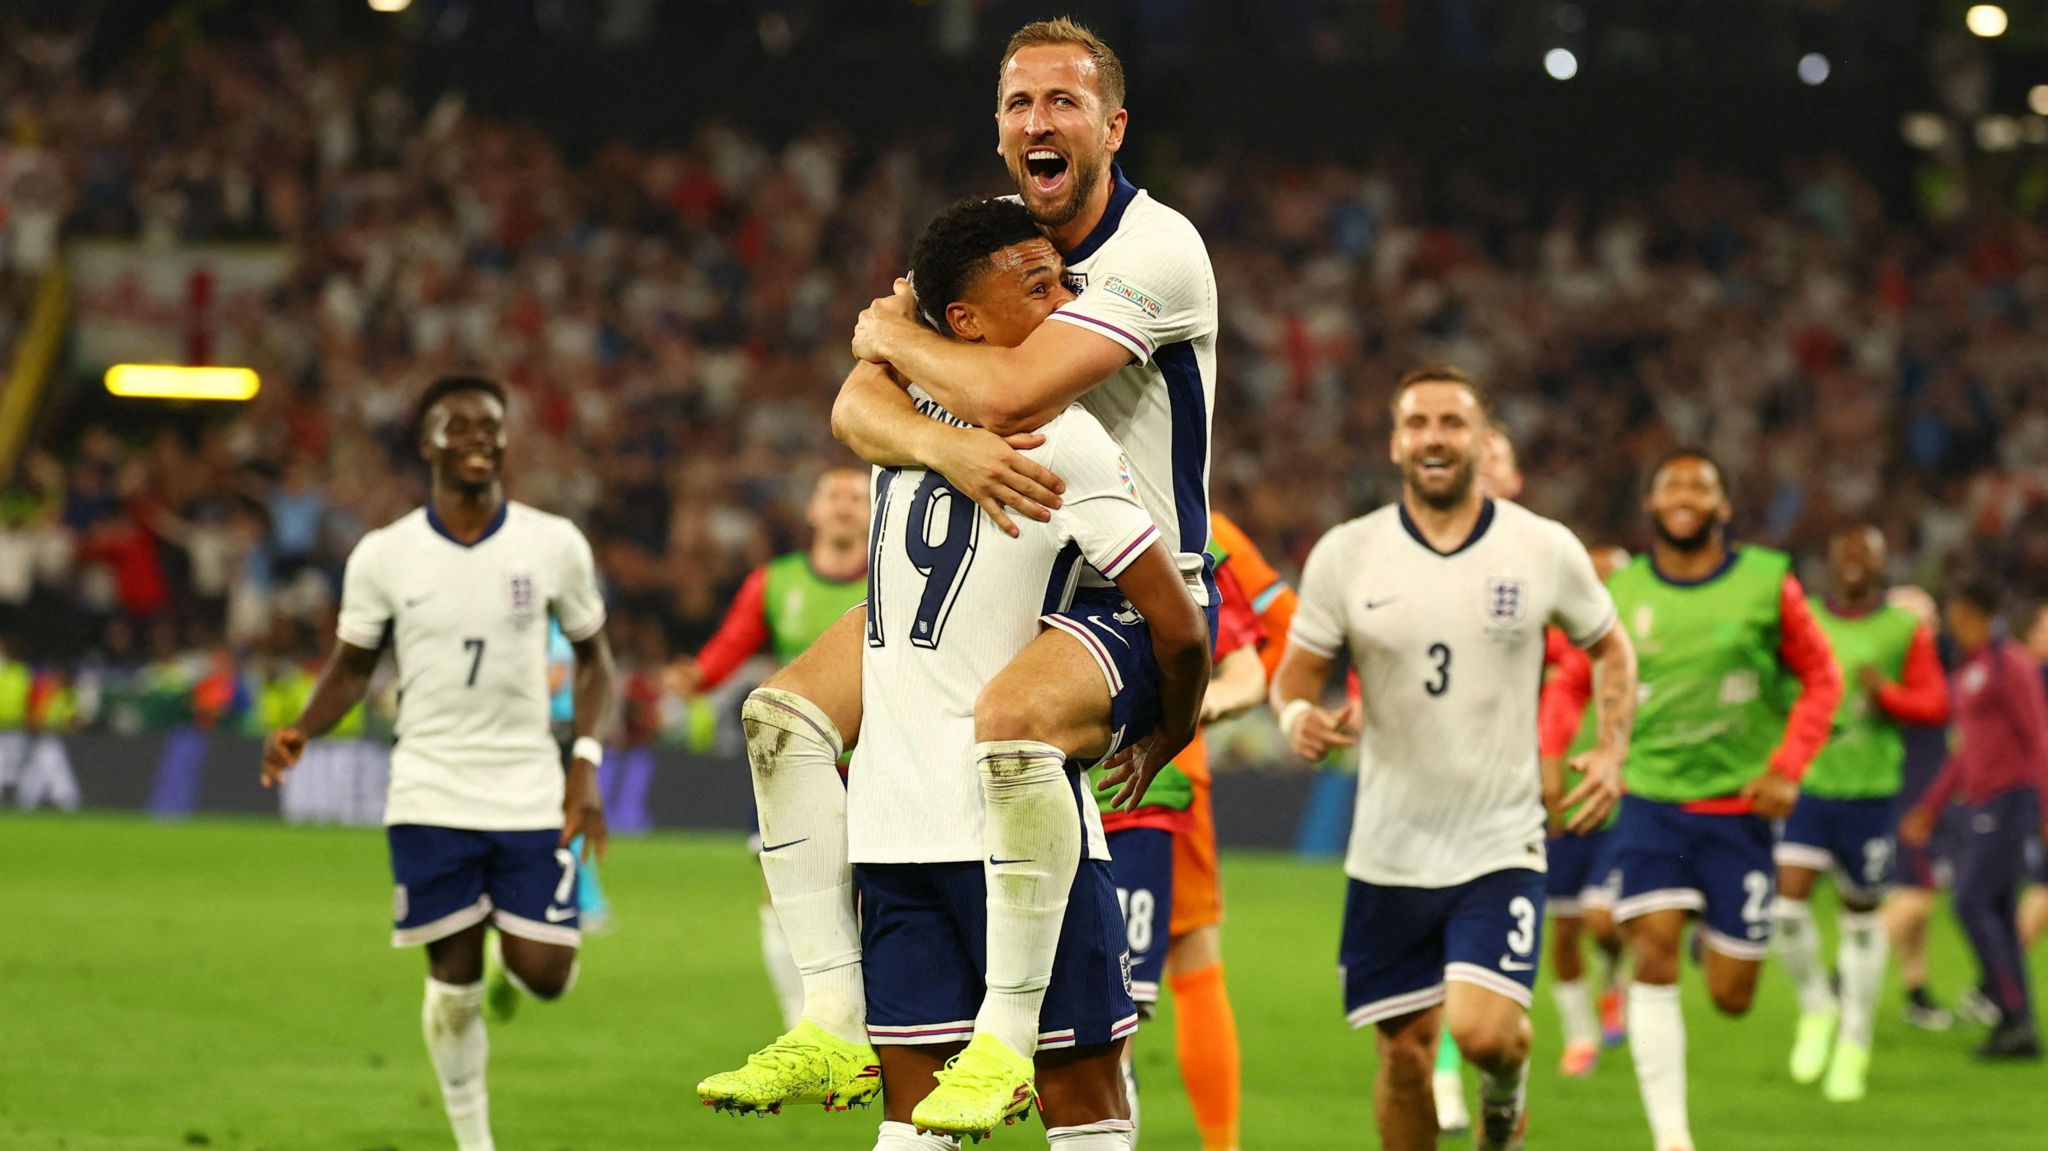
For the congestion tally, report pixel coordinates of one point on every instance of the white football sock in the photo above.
(1798, 944)
(904, 1137)
(1108, 1135)
(793, 751)
(1034, 847)
(1448, 1089)
(782, 973)
(453, 1021)
(1861, 959)
(1575, 1008)
(1656, 1040)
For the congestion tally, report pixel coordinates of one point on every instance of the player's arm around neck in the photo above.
(341, 686)
(1180, 644)
(1614, 679)
(1006, 390)
(875, 417)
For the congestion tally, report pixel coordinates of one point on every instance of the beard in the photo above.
(1463, 475)
(1082, 174)
(1697, 541)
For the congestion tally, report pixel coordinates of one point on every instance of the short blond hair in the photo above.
(1109, 71)
(1447, 374)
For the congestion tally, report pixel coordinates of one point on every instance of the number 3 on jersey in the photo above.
(936, 509)
(1441, 654)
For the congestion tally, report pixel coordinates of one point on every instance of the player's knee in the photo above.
(1001, 715)
(544, 979)
(1734, 999)
(1407, 1057)
(1491, 1042)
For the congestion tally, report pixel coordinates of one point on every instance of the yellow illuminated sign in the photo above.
(177, 382)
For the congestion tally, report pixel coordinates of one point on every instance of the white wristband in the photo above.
(588, 748)
(1291, 716)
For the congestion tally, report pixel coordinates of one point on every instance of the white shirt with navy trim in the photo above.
(951, 601)
(469, 627)
(1449, 652)
(1144, 280)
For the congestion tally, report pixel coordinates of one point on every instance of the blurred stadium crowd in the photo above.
(673, 322)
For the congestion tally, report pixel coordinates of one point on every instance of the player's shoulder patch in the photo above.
(1118, 286)
(1123, 473)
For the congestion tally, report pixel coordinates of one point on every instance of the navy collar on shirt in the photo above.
(490, 529)
(1727, 562)
(1121, 193)
(1479, 527)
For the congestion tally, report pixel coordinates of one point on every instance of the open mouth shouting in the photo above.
(1046, 169)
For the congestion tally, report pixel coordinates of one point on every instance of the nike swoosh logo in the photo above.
(1508, 963)
(559, 914)
(1377, 604)
(415, 601)
(1108, 630)
(994, 862)
(765, 848)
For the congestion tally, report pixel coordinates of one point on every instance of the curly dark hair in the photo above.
(955, 249)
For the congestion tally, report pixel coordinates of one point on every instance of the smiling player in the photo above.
(1136, 349)
(479, 816)
(1441, 601)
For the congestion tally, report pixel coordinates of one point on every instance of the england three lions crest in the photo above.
(1507, 602)
(522, 598)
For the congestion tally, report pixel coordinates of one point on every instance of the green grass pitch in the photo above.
(228, 984)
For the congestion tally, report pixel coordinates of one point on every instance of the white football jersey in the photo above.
(1144, 280)
(951, 601)
(469, 625)
(1449, 652)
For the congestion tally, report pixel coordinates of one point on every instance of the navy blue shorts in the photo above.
(1851, 837)
(1402, 944)
(1582, 873)
(1141, 863)
(1717, 866)
(924, 947)
(1121, 644)
(450, 880)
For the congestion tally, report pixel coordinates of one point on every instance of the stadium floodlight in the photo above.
(1924, 130)
(390, 5)
(1560, 63)
(1998, 133)
(179, 382)
(1986, 20)
(2037, 99)
(1814, 69)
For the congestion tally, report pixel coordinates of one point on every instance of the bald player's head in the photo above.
(1856, 560)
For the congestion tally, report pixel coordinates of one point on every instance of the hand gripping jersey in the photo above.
(1143, 279)
(1449, 652)
(469, 625)
(951, 601)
